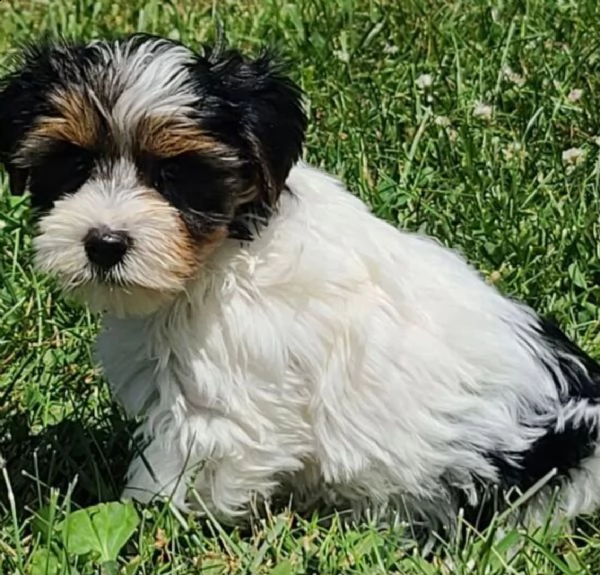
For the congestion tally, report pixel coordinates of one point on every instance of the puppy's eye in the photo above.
(168, 174)
(62, 169)
(157, 172)
(191, 182)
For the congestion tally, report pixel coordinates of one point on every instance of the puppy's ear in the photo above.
(22, 100)
(17, 179)
(12, 130)
(268, 107)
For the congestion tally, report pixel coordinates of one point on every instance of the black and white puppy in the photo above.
(270, 332)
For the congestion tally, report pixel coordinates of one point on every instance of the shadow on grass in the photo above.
(89, 458)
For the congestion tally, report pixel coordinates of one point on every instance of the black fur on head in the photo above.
(215, 132)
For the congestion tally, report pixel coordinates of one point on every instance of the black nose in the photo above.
(105, 247)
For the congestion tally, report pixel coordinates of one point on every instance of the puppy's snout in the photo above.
(105, 248)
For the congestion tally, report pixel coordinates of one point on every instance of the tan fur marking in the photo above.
(193, 252)
(181, 245)
(76, 122)
(166, 138)
(210, 242)
(189, 252)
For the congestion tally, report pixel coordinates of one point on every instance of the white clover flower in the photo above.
(482, 111)
(495, 277)
(342, 55)
(424, 81)
(513, 77)
(509, 152)
(575, 95)
(573, 156)
(441, 121)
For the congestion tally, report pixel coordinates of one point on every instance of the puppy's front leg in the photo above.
(224, 465)
(237, 486)
(160, 470)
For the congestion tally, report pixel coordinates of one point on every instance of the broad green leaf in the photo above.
(79, 535)
(44, 562)
(101, 530)
(115, 523)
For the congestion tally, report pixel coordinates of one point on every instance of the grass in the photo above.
(476, 122)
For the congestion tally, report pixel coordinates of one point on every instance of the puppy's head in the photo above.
(141, 156)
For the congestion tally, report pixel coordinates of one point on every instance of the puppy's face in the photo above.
(141, 156)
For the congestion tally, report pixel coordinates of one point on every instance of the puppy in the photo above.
(272, 335)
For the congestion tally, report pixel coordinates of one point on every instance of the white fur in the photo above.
(336, 355)
(150, 79)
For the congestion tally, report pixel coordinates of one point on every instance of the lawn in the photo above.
(476, 122)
